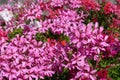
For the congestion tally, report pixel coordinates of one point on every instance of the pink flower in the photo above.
(57, 3)
(3, 34)
(109, 8)
(102, 74)
(90, 4)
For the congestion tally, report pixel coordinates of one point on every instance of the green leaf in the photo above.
(114, 72)
(15, 32)
(66, 38)
(92, 62)
(40, 37)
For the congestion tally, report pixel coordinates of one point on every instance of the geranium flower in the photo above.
(30, 56)
(102, 74)
(90, 4)
(109, 8)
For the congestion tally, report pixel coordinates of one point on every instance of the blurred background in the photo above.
(5, 1)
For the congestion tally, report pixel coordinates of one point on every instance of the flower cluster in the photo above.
(58, 40)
